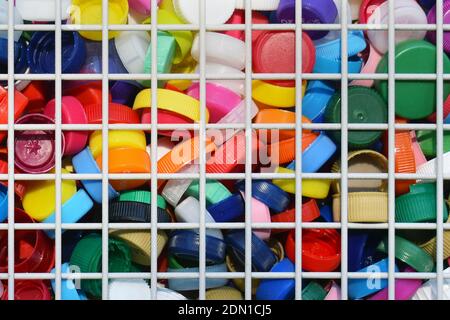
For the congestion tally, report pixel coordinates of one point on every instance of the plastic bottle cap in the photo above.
(72, 112)
(217, 11)
(42, 10)
(365, 105)
(165, 53)
(31, 290)
(219, 100)
(418, 93)
(35, 149)
(126, 160)
(38, 201)
(35, 252)
(367, 8)
(41, 52)
(274, 52)
(117, 139)
(117, 113)
(405, 12)
(87, 12)
(238, 86)
(20, 103)
(238, 17)
(142, 6)
(313, 11)
(215, 42)
(132, 48)
(260, 5)
(4, 20)
(446, 19)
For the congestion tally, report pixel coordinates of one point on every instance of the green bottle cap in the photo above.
(215, 191)
(143, 197)
(313, 291)
(365, 105)
(414, 99)
(409, 253)
(87, 256)
(419, 205)
(427, 141)
(166, 46)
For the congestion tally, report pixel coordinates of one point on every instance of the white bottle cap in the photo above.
(42, 10)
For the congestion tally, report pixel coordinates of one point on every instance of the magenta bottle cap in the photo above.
(432, 20)
(34, 150)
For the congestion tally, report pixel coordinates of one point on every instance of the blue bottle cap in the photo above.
(20, 56)
(71, 211)
(263, 258)
(360, 288)
(41, 52)
(315, 101)
(68, 286)
(228, 209)
(332, 49)
(277, 289)
(268, 193)
(316, 155)
(93, 62)
(180, 284)
(3, 203)
(184, 244)
(84, 162)
(326, 65)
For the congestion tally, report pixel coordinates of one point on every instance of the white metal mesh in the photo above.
(344, 226)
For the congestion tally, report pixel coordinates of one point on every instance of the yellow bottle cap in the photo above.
(275, 96)
(173, 101)
(363, 207)
(139, 242)
(39, 198)
(117, 139)
(90, 12)
(311, 188)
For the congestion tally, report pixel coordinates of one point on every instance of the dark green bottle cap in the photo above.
(428, 142)
(313, 291)
(414, 99)
(365, 105)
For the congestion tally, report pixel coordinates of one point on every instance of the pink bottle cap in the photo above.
(404, 288)
(72, 112)
(35, 149)
(219, 100)
(260, 214)
(141, 6)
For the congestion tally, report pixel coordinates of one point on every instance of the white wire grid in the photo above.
(344, 126)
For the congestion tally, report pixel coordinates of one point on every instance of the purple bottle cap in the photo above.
(124, 92)
(34, 150)
(313, 11)
(432, 20)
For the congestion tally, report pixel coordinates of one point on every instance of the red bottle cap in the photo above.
(367, 8)
(274, 52)
(310, 212)
(20, 103)
(87, 93)
(35, 149)
(321, 249)
(117, 113)
(238, 17)
(165, 117)
(36, 93)
(34, 250)
(29, 290)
